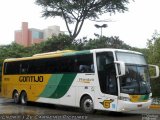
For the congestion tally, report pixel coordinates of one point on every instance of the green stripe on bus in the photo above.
(51, 85)
(144, 97)
(63, 86)
(77, 53)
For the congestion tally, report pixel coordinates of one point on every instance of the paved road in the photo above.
(36, 111)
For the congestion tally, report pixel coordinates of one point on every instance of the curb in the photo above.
(154, 107)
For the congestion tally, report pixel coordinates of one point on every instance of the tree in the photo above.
(107, 42)
(76, 11)
(154, 49)
(153, 56)
(55, 43)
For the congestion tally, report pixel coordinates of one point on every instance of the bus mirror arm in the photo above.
(121, 68)
(157, 71)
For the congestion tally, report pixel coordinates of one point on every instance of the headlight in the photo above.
(124, 98)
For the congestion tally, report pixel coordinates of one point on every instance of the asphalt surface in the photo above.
(37, 111)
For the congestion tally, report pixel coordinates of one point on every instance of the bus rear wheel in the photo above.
(87, 105)
(16, 97)
(23, 98)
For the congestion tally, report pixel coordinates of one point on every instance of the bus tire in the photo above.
(23, 98)
(87, 105)
(16, 97)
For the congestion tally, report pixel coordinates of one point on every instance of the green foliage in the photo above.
(51, 44)
(54, 43)
(13, 51)
(106, 42)
(76, 11)
(153, 55)
(60, 42)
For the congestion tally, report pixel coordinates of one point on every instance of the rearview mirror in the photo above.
(121, 68)
(156, 71)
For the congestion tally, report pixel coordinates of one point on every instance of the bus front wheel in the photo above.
(23, 98)
(87, 105)
(16, 97)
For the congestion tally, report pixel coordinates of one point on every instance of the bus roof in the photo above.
(49, 55)
(114, 50)
(67, 53)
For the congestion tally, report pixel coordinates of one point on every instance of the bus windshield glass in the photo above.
(131, 58)
(136, 80)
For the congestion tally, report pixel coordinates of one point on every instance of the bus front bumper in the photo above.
(130, 106)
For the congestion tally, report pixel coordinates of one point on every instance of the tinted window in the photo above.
(12, 68)
(107, 73)
(68, 64)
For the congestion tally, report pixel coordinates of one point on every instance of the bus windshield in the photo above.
(131, 58)
(136, 80)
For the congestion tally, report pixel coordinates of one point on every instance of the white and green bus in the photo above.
(98, 79)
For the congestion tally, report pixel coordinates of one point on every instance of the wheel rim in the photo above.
(88, 105)
(24, 98)
(16, 97)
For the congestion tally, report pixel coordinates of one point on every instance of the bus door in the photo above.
(107, 80)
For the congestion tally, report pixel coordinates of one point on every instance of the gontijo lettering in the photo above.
(31, 78)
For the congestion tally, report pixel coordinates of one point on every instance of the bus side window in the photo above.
(24, 68)
(11, 68)
(5, 68)
(85, 63)
(84, 68)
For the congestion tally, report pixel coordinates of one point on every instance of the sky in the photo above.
(134, 27)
